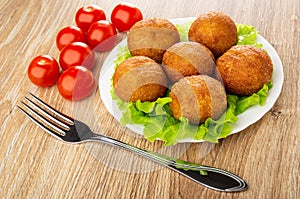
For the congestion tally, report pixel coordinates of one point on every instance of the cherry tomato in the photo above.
(77, 54)
(125, 15)
(102, 35)
(76, 83)
(43, 71)
(87, 15)
(68, 35)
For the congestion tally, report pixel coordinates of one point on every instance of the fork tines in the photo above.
(45, 116)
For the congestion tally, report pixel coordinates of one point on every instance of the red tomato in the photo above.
(68, 35)
(76, 83)
(125, 15)
(87, 15)
(43, 71)
(77, 54)
(102, 35)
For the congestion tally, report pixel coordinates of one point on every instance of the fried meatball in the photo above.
(187, 59)
(139, 78)
(215, 30)
(152, 37)
(197, 98)
(245, 69)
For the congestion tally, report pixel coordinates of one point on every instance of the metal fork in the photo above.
(71, 130)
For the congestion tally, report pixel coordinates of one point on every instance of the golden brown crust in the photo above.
(154, 23)
(198, 98)
(245, 69)
(218, 97)
(152, 37)
(139, 78)
(187, 59)
(215, 30)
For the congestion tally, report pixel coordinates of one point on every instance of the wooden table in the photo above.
(35, 165)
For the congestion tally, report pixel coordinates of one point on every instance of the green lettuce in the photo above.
(157, 118)
(183, 30)
(247, 35)
(240, 104)
(123, 54)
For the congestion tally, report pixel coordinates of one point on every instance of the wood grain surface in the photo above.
(35, 165)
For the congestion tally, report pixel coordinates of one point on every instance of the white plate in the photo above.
(250, 116)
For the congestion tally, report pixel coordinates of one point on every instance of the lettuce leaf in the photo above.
(183, 30)
(240, 104)
(157, 118)
(247, 35)
(123, 54)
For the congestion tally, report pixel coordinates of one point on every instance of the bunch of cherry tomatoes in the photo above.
(77, 45)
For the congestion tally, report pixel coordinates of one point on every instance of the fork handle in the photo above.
(210, 177)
